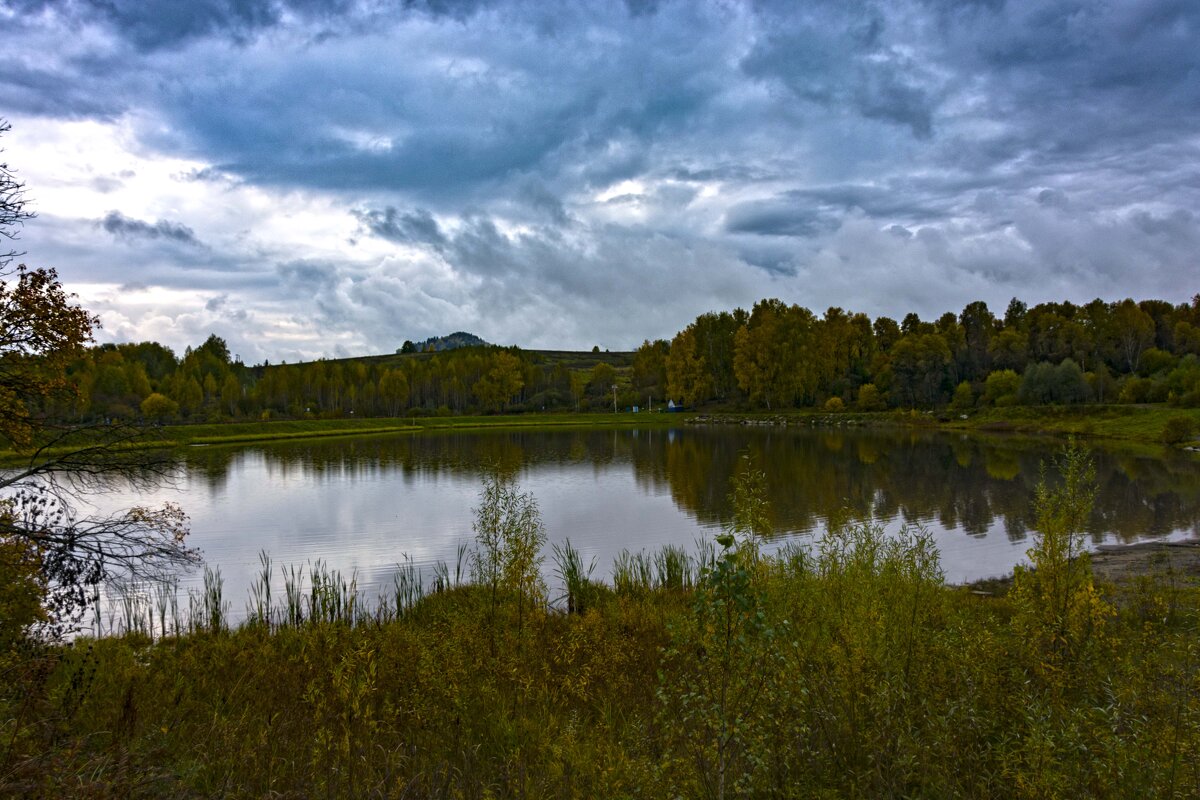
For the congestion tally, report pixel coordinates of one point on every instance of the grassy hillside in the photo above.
(574, 359)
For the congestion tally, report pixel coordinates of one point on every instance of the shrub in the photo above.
(964, 397)
(1001, 387)
(1178, 430)
(1045, 383)
(834, 405)
(159, 407)
(1135, 390)
(509, 536)
(870, 399)
(1058, 612)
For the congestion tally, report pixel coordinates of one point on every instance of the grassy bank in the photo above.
(1143, 424)
(251, 432)
(1132, 422)
(1136, 423)
(226, 433)
(853, 673)
(849, 671)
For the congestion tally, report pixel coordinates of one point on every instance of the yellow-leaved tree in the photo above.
(51, 558)
(1058, 612)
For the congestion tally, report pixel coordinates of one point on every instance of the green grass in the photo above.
(251, 432)
(1141, 423)
(1134, 422)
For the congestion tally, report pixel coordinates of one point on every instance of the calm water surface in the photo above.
(363, 504)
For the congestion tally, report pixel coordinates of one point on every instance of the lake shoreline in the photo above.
(1140, 424)
(1116, 563)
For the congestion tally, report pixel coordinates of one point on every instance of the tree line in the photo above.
(774, 357)
(784, 356)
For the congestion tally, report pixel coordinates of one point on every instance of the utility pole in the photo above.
(614, 388)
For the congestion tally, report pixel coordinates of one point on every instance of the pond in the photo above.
(363, 504)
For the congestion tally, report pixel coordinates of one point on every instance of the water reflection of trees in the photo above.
(957, 482)
(972, 484)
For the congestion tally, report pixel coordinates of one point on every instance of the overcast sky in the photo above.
(330, 177)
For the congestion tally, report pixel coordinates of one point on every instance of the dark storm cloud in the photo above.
(153, 24)
(412, 227)
(159, 23)
(63, 93)
(1069, 80)
(778, 218)
(452, 113)
(570, 160)
(125, 227)
(837, 57)
(809, 212)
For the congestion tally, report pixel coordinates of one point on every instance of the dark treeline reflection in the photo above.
(970, 484)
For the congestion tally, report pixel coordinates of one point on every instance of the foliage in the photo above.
(776, 357)
(1045, 383)
(581, 591)
(42, 333)
(870, 398)
(1178, 430)
(1001, 387)
(964, 397)
(1059, 611)
(159, 407)
(723, 654)
(509, 537)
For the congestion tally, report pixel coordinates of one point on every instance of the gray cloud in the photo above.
(413, 227)
(604, 167)
(774, 218)
(125, 227)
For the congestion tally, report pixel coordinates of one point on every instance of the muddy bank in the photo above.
(1122, 562)
(1118, 563)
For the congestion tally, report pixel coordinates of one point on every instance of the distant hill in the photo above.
(436, 344)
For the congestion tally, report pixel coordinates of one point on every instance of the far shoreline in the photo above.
(1141, 424)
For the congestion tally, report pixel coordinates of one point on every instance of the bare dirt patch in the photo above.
(1123, 562)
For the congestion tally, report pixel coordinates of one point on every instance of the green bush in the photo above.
(870, 398)
(1178, 430)
(964, 397)
(1000, 388)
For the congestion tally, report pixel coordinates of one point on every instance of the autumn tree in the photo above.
(40, 331)
(978, 326)
(158, 407)
(920, 363)
(502, 381)
(1133, 330)
(759, 359)
(43, 541)
(688, 378)
(393, 391)
(649, 370)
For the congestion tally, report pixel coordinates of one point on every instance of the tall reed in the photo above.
(633, 572)
(575, 577)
